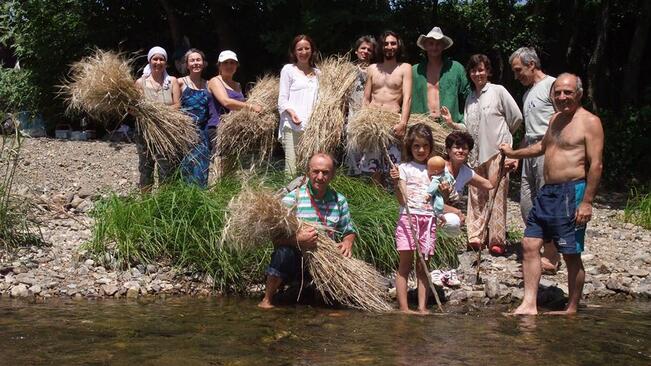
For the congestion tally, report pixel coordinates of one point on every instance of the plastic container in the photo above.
(62, 132)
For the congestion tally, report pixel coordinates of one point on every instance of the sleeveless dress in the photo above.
(216, 110)
(194, 166)
(147, 159)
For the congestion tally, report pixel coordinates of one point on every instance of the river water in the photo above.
(231, 331)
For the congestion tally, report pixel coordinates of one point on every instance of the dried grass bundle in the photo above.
(102, 85)
(326, 125)
(439, 131)
(370, 129)
(245, 130)
(258, 215)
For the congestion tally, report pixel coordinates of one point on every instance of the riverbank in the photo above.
(65, 178)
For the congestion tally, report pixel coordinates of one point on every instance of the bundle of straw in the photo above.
(326, 124)
(371, 129)
(258, 215)
(245, 130)
(439, 131)
(102, 86)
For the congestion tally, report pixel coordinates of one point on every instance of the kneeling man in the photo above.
(572, 146)
(314, 202)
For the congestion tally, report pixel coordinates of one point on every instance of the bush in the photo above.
(638, 208)
(17, 91)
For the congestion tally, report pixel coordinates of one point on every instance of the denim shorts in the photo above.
(285, 263)
(552, 216)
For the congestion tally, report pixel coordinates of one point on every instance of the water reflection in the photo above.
(235, 332)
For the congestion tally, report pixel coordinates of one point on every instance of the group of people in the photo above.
(561, 154)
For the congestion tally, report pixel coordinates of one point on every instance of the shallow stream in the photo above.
(230, 331)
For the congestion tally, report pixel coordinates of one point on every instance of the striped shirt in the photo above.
(333, 207)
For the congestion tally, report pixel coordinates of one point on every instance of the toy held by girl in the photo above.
(437, 174)
(413, 179)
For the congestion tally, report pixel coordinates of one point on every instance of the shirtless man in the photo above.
(573, 146)
(388, 88)
(439, 82)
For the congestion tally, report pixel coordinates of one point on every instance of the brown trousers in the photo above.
(477, 202)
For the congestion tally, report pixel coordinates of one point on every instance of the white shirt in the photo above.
(417, 181)
(299, 93)
(490, 117)
(464, 176)
(537, 108)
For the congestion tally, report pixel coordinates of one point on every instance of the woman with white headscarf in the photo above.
(156, 85)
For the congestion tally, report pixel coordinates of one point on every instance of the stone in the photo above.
(89, 262)
(109, 290)
(475, 294)
(640, 272)
(135, 273)
(19, 290)
(85, 206)
(492, 287)
(133, 292)
(151, 268)
(615, 283)
(458, 295)
(547, 283)
(103, 281)
(25, 278)
(36, 289)
(76, 201)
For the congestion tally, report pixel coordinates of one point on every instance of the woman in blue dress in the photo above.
(194, 102)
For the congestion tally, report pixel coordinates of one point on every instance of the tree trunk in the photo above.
(172, 21)
(571, 44)
(635, 55)
(435, 11)
(597, 54)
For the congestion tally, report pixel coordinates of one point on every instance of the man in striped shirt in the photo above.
(317, 203)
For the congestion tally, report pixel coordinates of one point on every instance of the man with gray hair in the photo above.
(537, 109)
(573, 148)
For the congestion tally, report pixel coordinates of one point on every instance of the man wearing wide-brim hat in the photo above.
(440, 82)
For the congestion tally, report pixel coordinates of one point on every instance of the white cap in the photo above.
(227, 55)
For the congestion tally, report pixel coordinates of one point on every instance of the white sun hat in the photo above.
(435, 33)
(227, 55)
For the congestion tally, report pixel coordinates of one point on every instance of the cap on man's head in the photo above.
(437, 34)
(227, 55)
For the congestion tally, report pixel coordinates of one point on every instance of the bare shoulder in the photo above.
(371, 69)
(405, 68)
(140, 82)
(174, 79)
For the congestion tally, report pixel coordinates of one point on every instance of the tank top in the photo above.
(216, 109)
(194, 102)
(155, 93)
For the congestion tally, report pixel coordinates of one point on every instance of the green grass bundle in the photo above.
(180, 224)
(326, 125)
(246, 131)
(102, 86)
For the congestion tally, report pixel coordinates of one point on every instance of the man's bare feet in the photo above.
(423, 312)
(561, 312)
(547, 266)
(265, 304)
(525, 310)
(408, 311)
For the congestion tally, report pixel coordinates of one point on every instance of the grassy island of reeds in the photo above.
(182, 225)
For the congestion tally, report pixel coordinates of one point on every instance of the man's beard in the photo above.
(389, 55)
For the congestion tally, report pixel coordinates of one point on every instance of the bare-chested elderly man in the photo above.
(573, 146)
(389, 88)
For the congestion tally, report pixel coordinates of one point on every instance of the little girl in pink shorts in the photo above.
(413, 177)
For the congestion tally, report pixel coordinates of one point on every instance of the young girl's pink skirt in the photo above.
(425, 226)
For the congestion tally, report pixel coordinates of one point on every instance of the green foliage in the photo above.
(16, 228)
(638, 207)
(626, 155)
(17, 91)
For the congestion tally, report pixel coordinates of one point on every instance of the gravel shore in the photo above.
(65, 178)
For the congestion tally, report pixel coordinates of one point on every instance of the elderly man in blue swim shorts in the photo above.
(573, 146)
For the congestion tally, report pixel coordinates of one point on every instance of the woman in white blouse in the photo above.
(491, 115)
(298, 92)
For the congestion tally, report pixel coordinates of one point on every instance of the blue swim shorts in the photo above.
(553, 216)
